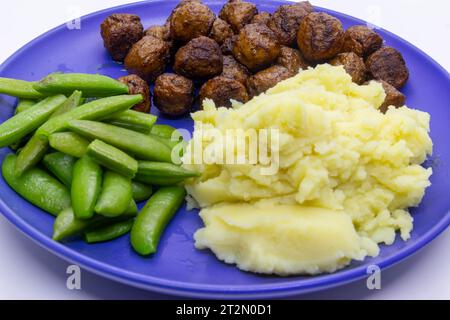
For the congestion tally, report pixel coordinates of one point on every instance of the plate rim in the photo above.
(217, 291)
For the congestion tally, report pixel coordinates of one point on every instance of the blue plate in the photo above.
(178, 268)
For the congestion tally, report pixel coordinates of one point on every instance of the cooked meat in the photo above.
(393, 97)
(362, 41)
(238, 14)
(173, 94)
(221, 90)
(353, 64)
(234, 70)
(266, 79)
(220, 31)
(262, 17)
(160, 32)
(228, 45)
(292, 60)
(137, 85)
(387, 64)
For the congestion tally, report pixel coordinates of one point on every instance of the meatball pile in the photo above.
(242, 52)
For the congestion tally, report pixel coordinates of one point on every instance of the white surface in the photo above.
(29, 272)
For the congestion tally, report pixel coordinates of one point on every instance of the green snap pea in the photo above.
(19, 89)
(162, 130)
(162, 174)
(113, 158)
(109, 232)
(141, 145)
(133, 120)
(154, 217)
(69, 143)
(24, 104)
(37, 187)
(92, 85)
(141, 191)
(86, 186)
(27, 121)
(94, 110)
(132, 209)
(61, 165)
(116, 195)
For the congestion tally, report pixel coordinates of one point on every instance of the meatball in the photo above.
(228, 45)
(160, 32)
(393, 97)
(148, 58)
(200, 59)
(256, 47)
(191, 20)
(119, 33)
(173, 94)
(262, 17)
(234, 70)
(266, 79)
(238, 14)
(220, 31)
(387, 64)
(137, 85)
(221, 90)
(353, 64)
(362, 41)
(320, 37)
(292, 60)
(286, 21)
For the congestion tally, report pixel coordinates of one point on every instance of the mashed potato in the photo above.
(339, 160)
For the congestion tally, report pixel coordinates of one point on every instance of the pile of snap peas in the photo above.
(82, 155)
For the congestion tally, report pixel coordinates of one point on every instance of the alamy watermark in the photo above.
(73, 17)
(73, 281)
(374, 277)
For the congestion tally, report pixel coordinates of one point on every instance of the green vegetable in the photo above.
(141, 145)
(133, 120)
(86, 186)
(163, 131)
(154, 217)
(19, 89)
(132, 209)
(109, 232)
(158, 181)
(92, 85)
(69, 143)
(97, 109)
(37, 187)
(113, 158)
(162, 174)
(27, 121)
(24, 104)
(61, 165)
(141, 191)
(116, 195)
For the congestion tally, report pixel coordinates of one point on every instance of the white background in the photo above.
(29, 272)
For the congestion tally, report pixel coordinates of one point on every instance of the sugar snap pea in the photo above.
(24, 104)
(61, 165)
(162, 130)
(27, 121)
(141, 145)
(133, 120)
(92, 85)
(162, 174)
(19, 89)
(141, 191)
(108, 233)
(86, 186)
(154, 217)
(69, 143)
(37, 187)
(132, 209)
(113, 158)
(115, 196)
(94, 110)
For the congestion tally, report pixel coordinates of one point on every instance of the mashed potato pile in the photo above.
(346, 176)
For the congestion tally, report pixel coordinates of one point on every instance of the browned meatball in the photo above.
(119, 33)
(191, 20)
(173, 94)
(221, 90)
(353, 64)
(220, 31)
(228, 45)
(160, 32)
(200, 59)
(137, 85)
(234, 70)
(320, 37)
(393, 97)
(388, 64)
(362, 41)
(286, 21)
(148, 58)
(266, 79)
(238, 14)
(262, 17)
(256, 47)
(292, 60)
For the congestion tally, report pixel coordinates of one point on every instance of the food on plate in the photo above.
(61, 166)
(68, 143)
(160, 32)
(256, 47)
(292, 60)
(238, 13)
(338, 160)
(393, 97)
(19, 88)
(116, 195)
(234, 70)
(220, 31)
(222, 90)
(361, 40)
(320, 37)
(119, 32)
(262, 17)
(109, 232)
(137, 85)
(200, 59)
(286, 20)
(162, 174)
(266, 79)
(228, 44)
(173, 94)
(133, 120)
(141, 191)
(353, 64)
(387, 64)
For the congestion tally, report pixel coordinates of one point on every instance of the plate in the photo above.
(178, 268)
